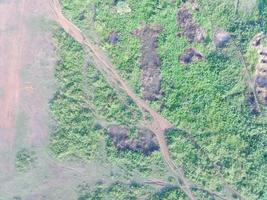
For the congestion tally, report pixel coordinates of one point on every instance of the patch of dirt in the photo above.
(26, 64)
(113, 38)
(221, 38)
(261, 68)
(189, 29)
(257, 39)
(22, 49)
(119, 136)
(145, 143)
(149, 61)
(190, 55)
(261, 89)
(251, 102)
(261, 81)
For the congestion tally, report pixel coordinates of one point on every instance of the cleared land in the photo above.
(27, 60)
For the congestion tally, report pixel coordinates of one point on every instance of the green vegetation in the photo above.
(83, 106)
(205, 99)
(262, 5)
(132, 191)
(25, 160)
(114, 191)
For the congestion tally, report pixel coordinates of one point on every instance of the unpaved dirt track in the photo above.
(18, 51)
(10, 56)
(19, 48)
(158, 124)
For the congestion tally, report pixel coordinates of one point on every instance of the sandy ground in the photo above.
(25, 55)
(27, 60)
(22, 50)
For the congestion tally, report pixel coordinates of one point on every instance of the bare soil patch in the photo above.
(23, 76)
(221, 38)
(146, 141)
(113, 38)
(251, 102)
(25, 53)
(190, 55)
(189, 29)
(149, 61)
(257, 39)
(261, 68)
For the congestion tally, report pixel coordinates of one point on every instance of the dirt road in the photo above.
(158, 124)
(26, 84)
(11, 53)
(22, 97)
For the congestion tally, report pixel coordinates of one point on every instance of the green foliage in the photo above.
(169, 193)
(83, 107)
(25, 160)
(262, 8)
(251, 57)
(74, 120)
(118, 191)
(112, 106)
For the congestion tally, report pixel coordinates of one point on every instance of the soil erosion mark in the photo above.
(22, 50)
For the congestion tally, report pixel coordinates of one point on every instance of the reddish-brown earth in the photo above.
(21, 47)
(149, 61)
(24, 48)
